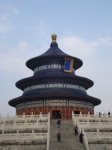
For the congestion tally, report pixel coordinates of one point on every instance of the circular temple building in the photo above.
(54, 86)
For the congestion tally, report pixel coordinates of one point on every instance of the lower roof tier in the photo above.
(68, 96)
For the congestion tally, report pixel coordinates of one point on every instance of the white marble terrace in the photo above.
(96, 129)
(35, 129)
(25, 129)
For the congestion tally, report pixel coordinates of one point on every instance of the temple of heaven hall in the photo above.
(54, 86)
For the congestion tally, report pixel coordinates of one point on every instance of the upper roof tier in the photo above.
(52, 52)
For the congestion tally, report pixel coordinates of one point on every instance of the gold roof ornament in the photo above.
(54, 36)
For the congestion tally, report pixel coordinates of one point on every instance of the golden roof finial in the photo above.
(54, 36)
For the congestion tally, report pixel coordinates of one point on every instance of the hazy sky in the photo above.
(83, 28)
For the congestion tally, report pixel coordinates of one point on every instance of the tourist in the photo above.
(58, 123)
(55, 115)
(76, 129)
(100, 114)
(81, 137)
(109, 114)
(58, 136)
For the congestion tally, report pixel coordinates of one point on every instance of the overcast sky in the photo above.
(83, 28)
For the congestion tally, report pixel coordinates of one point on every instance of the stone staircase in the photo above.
(68, 139)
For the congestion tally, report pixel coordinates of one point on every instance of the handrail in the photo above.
(85, 141)
(75, 121)
(48, 133)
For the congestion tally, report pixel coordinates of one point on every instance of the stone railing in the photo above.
(96, 129)
(75, 121)
(96, 121)
(25, 129)
(48, 133)
(23, 121)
